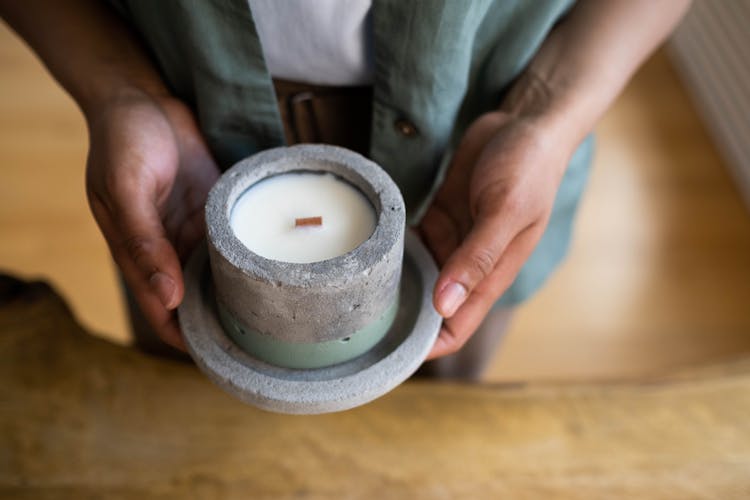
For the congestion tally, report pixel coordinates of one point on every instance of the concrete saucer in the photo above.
(307, 391)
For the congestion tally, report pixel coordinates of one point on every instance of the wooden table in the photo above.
(83, 418)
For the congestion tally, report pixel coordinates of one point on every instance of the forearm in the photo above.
(86, 47)
(588, 58)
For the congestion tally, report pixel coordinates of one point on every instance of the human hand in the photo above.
(489, 214)
(147, 178)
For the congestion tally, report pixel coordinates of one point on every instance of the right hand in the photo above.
(147, 178)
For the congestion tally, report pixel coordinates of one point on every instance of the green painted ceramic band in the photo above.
(307, 356)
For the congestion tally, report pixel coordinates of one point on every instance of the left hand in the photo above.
(488, 216)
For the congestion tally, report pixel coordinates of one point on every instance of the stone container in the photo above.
(316, 314)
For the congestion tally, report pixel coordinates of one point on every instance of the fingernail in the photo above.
(450, 299)
(164, 288)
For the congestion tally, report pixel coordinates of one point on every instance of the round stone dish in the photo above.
(320, 390)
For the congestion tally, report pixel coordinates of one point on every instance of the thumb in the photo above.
(473, 261)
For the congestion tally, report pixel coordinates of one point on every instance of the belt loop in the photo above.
(331, 115)
(304, 98)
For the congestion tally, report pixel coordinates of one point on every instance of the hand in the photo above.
(488, 216)
(148, 175)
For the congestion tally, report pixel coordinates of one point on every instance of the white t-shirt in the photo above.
(321, 42)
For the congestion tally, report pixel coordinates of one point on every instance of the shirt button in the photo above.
(406, 128)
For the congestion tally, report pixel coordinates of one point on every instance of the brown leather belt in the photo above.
(321, 114)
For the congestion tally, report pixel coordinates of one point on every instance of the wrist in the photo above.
(549, 105)
(98, 95)
(547, 113)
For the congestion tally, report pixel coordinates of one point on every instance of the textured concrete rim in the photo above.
(362, 173)
(321, 390)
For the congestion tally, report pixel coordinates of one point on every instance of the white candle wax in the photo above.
(264, 217)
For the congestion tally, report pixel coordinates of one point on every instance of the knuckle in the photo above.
(512, 204)
(452, 341)
(481, 262)
(489, 119)
(138, 248)
(496, 201)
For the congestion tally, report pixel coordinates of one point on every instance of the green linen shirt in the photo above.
(438, 65)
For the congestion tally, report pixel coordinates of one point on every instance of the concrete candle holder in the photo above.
(315, 314)
(313, 337)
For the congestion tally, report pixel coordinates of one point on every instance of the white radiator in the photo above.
(711, 49)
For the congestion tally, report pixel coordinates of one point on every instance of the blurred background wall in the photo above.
(711, 50)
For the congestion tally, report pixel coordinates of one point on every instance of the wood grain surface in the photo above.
(84, 418)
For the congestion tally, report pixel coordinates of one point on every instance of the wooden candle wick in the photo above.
(308, 221)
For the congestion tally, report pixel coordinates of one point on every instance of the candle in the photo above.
(302, 217)
(330, 224)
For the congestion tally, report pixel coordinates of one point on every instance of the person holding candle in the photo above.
(480, 112)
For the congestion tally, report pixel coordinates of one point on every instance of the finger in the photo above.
(140, 241)
(454, 333)
(185, 223)
(440, 233)
(473, 260)
(147, 259)
(457, 330)
(187, 235)
(170, 333)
